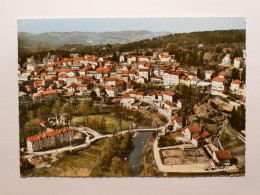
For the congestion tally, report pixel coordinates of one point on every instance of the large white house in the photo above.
(167, 95)
(127, 102)
(217, 86)
(237, 62)
(111, 91)
(188, 132)
(170, 78)
(226, 59)
(52, 139)
(144, 73)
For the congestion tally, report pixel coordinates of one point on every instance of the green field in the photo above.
(111, 123)
(71, 165)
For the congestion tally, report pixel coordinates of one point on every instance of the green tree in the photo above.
(243, 75)
(235, 74)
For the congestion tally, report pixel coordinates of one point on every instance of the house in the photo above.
(199, 139)
(129, 88)
(217, 86)
(145, 73)
(110, 81)
(140, 80)
(167, 95)
(185, 80)
(156, 79)
(131, 59)
(226, 59)
(140, 95)
(127, 102)
(222, 75)
(170, 78)
(234, 87)
(237, 62)
(122, 58)
(143, 59)
(49, 140)
(222, 156)
(166, 58)
(188, 132)
(49, 95)
(208, 75)
(111, 91)
(83, 87)
(179, 103)
(177, 123)
(155, 54)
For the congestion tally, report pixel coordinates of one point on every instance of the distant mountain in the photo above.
(85, 38)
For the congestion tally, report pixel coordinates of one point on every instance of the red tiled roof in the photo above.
(132, 92)
(49, 92)
(178, 119)
(168, 103)
(217, 79)
(194, 129)
(236, 82)
(196, 137)
(110, 79)
(120, 82)
(82, 85)
(143, 70)
(169, 93)
(223, 154)
(204, 134)
(129, 86)
(140, 93)
(238, 58)
(111, 88)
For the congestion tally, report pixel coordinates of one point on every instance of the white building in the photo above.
(127, 102)
(144, 73)
(217, 86)
(170, 78)
(177, 123)
(237, 62)
(111, 91)
(234, 87)
(188, 132)
(226, 59)
(167, 95)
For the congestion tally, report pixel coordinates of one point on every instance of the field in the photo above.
(181, 157)
(71, 165)
(111, 123)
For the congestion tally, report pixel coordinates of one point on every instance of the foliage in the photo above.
(238, 118)
(112, 160)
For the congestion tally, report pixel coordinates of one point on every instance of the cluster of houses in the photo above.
(52, 139)
(57, 77)
(219, 158)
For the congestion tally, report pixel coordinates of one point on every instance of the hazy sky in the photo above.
(121, 24)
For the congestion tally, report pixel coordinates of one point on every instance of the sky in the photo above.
(175, 25)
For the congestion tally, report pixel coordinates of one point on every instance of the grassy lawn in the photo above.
(169, 140)
(71, 165)
(110, 122)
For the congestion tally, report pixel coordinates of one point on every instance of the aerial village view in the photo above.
(132, 102)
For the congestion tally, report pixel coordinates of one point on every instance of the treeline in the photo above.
(113, 160)
(238, 118)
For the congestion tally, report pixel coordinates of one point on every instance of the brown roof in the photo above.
(223, 154)
(178, 119)
(218, 79)
(194, 129)
(169, 93)
(204, 134)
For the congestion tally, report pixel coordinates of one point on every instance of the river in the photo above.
(135, 157)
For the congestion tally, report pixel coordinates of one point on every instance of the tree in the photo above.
(68, 112)
(93, 95)
(235, 74)
(44, 112)
(243, 75)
